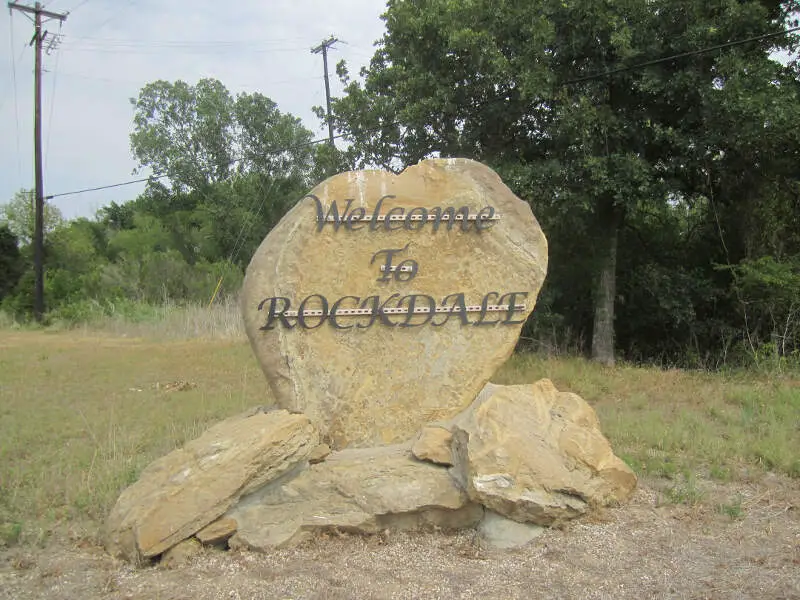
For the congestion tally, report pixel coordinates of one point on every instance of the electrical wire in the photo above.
(133, 46)
(657, 61)
(72, 10)
(201, 49)
(53, 100)
(9, 91)
(234, 86)
(247, 225)
(145, 42)
(113, 15)
(599, 75)
(16, 93)
(157, 176)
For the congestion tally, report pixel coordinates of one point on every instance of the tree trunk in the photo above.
(605, 290)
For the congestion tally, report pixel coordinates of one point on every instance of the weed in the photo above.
(10, 533)
(733, 509)
(685, 491)
(721, 473)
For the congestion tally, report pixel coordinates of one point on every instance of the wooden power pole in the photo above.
(323, 47)
(38, 228)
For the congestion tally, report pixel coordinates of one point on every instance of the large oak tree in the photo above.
(520, 85)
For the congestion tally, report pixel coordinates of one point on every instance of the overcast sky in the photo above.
(111, 48)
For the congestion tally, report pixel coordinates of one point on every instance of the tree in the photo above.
(516, 85)
(19, 216)
(11, 263)
(235, 166)
(200, 135)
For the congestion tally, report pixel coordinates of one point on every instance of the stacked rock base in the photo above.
(379, 308)
(520, 458)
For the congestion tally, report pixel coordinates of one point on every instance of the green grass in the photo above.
(665, 423)
(83, 412)
(733, 508)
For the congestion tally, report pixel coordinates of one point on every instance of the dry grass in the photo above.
(83, 412)
(167, 321)
(680, 424)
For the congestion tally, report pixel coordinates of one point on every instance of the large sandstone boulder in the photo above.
(536, 455)
(363, 490)
(385, 244)
(184, 491)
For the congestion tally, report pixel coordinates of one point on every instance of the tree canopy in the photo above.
(199, 135)
(555, 95)
(656, 142)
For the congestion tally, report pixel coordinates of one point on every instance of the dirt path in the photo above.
(643, 550)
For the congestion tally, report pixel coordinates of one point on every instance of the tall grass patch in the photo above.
(167, 320)
(668, 422)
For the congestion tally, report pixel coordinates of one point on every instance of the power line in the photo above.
(113, 16)
(248, 222)
(106, 187)
(190, 50)
(53, 97)
(163, 175)
(146, 42)
(16, 93)
(72, 10)
(11, 86)
(144, 81)
(392, 123)
(144, 46)
(657, 61)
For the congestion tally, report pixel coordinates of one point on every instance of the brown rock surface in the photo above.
(359, 490)
(433, 444)
(319, 454)
(181, 554)
(536, 455)
(184, 491)
(219, 531)
(378, 385)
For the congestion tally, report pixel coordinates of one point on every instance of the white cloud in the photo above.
(111, 49)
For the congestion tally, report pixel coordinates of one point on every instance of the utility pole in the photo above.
(323, 47)
(38, 229)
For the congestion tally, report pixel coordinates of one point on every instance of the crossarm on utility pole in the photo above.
(33, 10)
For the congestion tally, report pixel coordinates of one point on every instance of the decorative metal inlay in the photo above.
(409, 217)
(401, 268)
(420, 310)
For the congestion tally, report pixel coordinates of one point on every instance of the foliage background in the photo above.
(669, 193)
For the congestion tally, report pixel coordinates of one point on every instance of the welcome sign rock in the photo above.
(383, 302)
(379, 308)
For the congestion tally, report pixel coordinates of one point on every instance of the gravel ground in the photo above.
(643, 550)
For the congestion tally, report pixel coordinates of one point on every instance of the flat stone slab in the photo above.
(364, 490)
(382, 302)
(183, 492)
